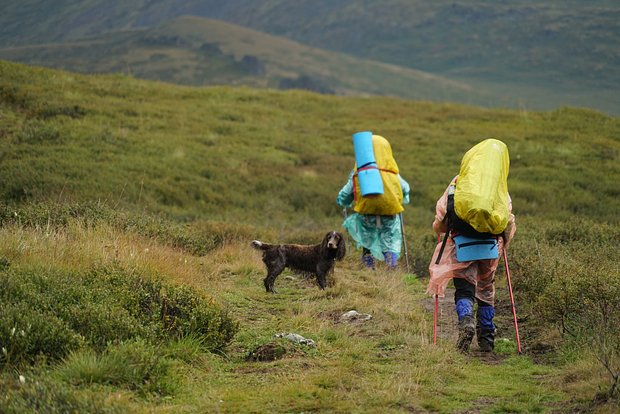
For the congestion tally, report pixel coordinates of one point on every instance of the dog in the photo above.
(316, 259)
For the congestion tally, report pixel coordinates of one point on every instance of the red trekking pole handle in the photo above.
(512, 302)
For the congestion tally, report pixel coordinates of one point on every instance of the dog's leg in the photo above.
(274, 269)
(322, 270)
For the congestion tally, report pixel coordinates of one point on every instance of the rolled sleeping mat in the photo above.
(362, 145)
(370, 180)
(367, 171)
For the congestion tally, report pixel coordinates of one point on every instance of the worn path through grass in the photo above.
(387, 364)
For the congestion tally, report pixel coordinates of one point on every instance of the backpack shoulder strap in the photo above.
(449, 218)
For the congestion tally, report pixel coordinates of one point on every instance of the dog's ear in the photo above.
(342, 249)
(325, 241)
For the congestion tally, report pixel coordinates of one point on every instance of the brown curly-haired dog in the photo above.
(316, 259)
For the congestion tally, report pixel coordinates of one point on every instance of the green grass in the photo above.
(186, 152)
(166, 183)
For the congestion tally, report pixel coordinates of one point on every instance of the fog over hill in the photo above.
(531, 54)
(198, 51)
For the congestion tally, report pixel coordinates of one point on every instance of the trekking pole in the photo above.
(436, 309)
(512, 302)
(402, 230)
(435, 319)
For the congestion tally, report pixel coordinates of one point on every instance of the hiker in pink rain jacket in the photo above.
(472, 279)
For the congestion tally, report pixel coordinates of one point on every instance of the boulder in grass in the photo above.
(355, 316)
(296, 338)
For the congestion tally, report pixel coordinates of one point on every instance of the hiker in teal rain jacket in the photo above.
(375, 223)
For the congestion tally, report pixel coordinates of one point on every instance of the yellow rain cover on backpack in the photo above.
(481, 195)
(390, 202)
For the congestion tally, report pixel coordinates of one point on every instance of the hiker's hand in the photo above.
(439, 226)
(504, 240)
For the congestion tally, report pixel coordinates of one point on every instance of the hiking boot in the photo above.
(467, 329)
(391, 260)
(486, 339)
(368, 261)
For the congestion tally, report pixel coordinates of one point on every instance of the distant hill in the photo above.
(198, 51)
(533, 54)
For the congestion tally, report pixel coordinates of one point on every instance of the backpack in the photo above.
(390, 202)
(478, 209)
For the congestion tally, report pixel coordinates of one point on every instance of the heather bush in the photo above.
(47, 395)
(50, 313)
(569, 278)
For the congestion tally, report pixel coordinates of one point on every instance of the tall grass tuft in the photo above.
(134, 365)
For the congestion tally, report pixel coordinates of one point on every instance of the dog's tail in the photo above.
(259, 245)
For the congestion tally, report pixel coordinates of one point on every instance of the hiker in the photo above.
(375, 224)
(482, 181)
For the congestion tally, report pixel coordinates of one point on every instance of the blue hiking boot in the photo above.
(368, 261)
(391, 260)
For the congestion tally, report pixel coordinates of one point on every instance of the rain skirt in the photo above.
(480, 273)
(378, 234)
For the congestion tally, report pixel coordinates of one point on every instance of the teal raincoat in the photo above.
(378, 234)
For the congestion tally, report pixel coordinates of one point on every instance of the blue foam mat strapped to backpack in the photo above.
(367, 169)
(364, 152)
(469, 248)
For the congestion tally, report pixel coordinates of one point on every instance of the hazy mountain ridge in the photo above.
(198, 51)
(539, 55)
(412, 34)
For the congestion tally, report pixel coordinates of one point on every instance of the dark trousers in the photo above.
(465, 290)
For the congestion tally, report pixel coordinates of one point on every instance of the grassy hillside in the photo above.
(530, 54)
(188, 152)
(197, 51)
(127, 205)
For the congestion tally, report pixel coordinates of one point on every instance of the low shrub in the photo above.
(45, 395)
(51, 215)
(28, 332)
(569, 278)
(52, 313)
(36, 132)
(184, 311)
(586, 308)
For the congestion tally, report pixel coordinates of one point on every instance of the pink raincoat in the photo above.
(480, 273)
